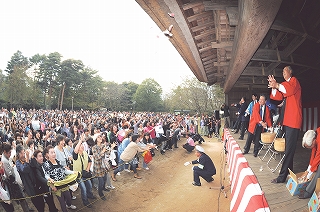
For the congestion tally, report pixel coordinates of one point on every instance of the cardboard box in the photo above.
(313, 203)
(293, 186)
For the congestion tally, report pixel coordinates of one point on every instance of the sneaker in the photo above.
(111, 187)
(147, 168)
(73, 197)
(73, 207)
(126, 170)
(118, 174)
(196, 184)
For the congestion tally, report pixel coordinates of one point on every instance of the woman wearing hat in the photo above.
(204, 169)
(311, 140)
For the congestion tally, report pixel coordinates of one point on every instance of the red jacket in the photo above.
(293, 111)
(315, 154)
(256, 117)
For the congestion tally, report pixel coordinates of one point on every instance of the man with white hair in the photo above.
(311, 141)
(204, 169)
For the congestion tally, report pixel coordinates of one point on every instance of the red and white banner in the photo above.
(246, 193)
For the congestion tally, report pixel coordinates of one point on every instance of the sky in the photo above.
(116, 38)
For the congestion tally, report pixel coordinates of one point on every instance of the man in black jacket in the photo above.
(27, 177)
(204, 169)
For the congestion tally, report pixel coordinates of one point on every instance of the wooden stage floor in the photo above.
(277, 195)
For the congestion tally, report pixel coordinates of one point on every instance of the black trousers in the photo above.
(188, 147)
(7, 207)
(256, 137)
(197, 173)
(291, 138)
(244, 126)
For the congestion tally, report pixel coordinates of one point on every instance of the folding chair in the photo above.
(278, 149)
(267, 140)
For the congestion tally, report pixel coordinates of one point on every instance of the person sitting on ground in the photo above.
(204, 169)
(189, 145)
(311, 140)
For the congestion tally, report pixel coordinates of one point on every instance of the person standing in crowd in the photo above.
(252, 103)
(290, 118)
(82, 162)
(204, 169)
(28, 178)
(259, 121)
(244, 119)
(311, 140)
(237, 124)
(15, 190)
(41, 181)
(55, 172)
(226, 115)
(99, 170)
(8, 207)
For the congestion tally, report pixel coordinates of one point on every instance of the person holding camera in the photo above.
(82, 163)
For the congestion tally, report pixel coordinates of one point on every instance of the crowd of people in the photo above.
(52, 151)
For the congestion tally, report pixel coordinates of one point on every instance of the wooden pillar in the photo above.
(255, 19)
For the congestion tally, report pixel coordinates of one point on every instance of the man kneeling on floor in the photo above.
(311, 140)
(204, 169)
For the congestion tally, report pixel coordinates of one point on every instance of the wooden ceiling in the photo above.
(237, 44)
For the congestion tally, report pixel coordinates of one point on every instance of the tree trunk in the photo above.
(62, 95)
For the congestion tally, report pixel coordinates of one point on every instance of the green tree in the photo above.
(33, 72)
(17, 87)
(17, 61)
(3, 99)
(148, 96)
(69, 77)
(130, 89)
(195, 96)
(47, 76)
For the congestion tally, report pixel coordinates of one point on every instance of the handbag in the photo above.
(147, 157)
(105, 164)
(85, 174)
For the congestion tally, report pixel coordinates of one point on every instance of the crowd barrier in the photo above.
(246, 193)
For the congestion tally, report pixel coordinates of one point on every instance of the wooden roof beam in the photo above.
(209, 5)
(204, 43)
(205, 49)
(255, 19)
(221, 45)
(179, 17)
(192, 5)
(258, 71)
(280, 26)
(205, 34)
(221, 64)
(209, 58)
(203, 26)
(199, 16)
(268, 55)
